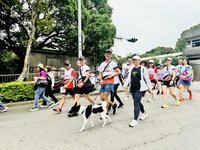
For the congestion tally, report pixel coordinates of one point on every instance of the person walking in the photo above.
(139, 82)
(128, 68)
(185, 79)
(107, 71)
(69, 86)
(84, 84)
(160, 78)
(169, 82)
(3, 108)
(153, 76)
(41, 84)
(114, 94)
(49, 89)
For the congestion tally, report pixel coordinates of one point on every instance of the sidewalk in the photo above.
(15, 105)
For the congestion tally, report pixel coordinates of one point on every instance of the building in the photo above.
(192, 50)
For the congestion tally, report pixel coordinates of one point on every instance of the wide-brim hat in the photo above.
(40, 65)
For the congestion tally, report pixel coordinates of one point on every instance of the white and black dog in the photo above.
(89, 111)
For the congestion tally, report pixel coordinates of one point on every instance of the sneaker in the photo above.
(43, 106)
(57, 103)
(178, 102)
(120, 105)
(34, 109)
(4, 110)
(133, 123)
(58, 110)
(72, 114)
(114, 107)
(190, 97)
(50, 105)
(165, 106)
(143, 116)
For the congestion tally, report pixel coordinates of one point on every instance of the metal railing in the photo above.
(58, 74)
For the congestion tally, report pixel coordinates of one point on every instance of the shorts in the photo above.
(83, 90)
(154, 81)
(184, 82)
(107, 88)
(166, 83)
(69, 92)
(160, 81)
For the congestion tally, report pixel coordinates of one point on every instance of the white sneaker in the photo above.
(43, 106)
(34, 109)
(127, 98)
(5, 109)
(50, 105)
(133, 123)
(57, 103)
(143, 116)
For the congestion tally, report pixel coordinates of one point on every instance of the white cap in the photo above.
(151, 61)
(136, 57)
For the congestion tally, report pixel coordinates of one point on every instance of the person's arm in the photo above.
(128, 80)
(146, 77)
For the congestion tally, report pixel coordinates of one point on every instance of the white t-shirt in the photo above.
(116, 80)
(84, 69)
(51, 75)
(110, 69)
(168, 70)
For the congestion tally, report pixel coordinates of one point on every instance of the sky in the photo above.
(153, 22)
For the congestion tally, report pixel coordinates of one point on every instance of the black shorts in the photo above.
(83, 90)
(154, 81)
(160, 81)
(70, 92)
(166, 83)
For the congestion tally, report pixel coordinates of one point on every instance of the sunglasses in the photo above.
(168, 60)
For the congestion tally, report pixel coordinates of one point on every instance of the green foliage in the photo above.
(56, 26)
(8, 62)
(180, 45)
(16, 91)
(159, 51)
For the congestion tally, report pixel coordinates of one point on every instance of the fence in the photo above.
(59, 74)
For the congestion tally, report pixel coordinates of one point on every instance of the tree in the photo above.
(53, 25)
(180, 45)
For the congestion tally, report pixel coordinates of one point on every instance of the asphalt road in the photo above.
(174, 128)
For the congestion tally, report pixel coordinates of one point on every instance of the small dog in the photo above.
(89, 111)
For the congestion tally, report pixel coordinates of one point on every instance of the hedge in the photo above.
(16, 91)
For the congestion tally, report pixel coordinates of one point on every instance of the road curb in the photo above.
(25, 103)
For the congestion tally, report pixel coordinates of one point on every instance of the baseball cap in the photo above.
(109, 51)
(81, 58)
(151, 61)
(170, 59)
(67, 62)
(136, 57)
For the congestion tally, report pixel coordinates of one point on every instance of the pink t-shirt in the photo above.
(42, 74)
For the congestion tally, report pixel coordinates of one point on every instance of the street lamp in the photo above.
(79, 30)
(129, 40)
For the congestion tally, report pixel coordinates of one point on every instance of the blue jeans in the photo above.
(40, 93)
(2, 106)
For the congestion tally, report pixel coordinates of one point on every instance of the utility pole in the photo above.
(79, 30)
